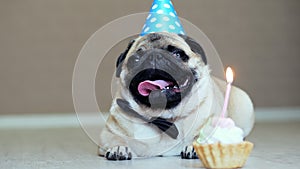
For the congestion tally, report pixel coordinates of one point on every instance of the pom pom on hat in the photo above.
(162, 18)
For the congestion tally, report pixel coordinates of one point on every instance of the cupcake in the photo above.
(220, 144)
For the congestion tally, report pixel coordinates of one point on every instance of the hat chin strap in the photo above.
(164, 125)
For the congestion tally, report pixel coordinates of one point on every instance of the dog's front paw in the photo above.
(118, 153)
(188, 152)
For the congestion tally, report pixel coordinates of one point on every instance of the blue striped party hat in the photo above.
(162, 18)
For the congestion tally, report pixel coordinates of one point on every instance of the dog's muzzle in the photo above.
(159, 79)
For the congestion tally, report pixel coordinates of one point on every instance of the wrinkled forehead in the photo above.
(160, 40)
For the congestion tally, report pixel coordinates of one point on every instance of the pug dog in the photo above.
(165, 95)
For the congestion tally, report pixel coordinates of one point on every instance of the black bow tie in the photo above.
(164, 125)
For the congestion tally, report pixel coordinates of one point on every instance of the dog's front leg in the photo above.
(113, 147)
(188, 152)
(118, 153)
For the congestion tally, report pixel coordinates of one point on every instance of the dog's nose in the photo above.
(155, 59)
(155, 55)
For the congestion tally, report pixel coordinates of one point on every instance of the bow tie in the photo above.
(164, 125)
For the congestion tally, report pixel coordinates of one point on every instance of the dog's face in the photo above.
(160, 69)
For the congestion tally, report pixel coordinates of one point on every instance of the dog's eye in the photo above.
(133, 60)
(137, 59)
(181, 55)
(178, 53)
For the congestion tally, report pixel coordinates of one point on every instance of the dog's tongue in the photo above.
(147, 86)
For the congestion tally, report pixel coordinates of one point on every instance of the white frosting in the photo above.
(220, 130)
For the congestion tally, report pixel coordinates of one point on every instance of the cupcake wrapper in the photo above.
(223, 155)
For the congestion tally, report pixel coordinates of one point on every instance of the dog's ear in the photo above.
(195, 47)
(121, 58)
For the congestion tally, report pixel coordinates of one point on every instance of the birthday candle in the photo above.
(229, 79)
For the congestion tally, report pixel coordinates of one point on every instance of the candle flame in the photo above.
(229, 75)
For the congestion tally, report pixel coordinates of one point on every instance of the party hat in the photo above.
(162, 18)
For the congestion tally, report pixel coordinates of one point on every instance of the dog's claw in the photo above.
(188, 152)
(118, 153)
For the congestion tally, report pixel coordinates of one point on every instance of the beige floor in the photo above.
(276, 146)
